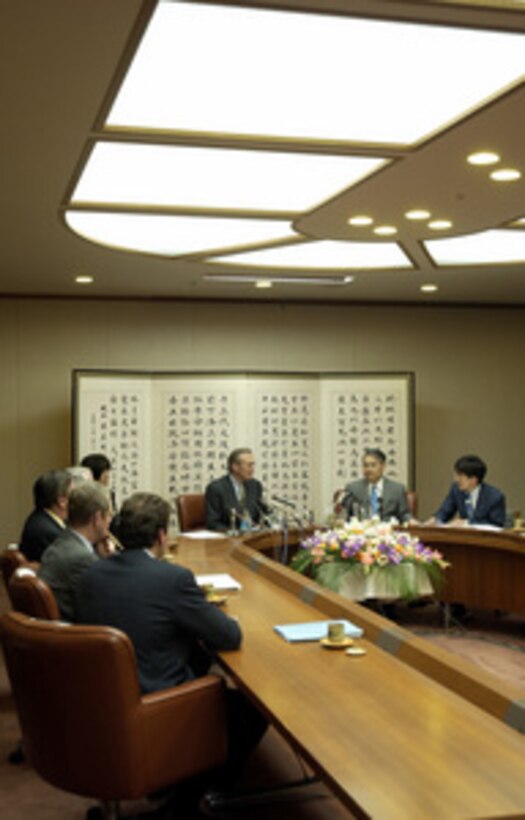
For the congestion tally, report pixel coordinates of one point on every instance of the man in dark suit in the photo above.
(374, 494)
(165, 614)
(235, 500)
(47, 521)
(470, 498)
(159, 605)
(68, 557)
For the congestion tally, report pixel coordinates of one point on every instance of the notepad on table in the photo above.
(199, 535)
(219, 580)
(315, 630)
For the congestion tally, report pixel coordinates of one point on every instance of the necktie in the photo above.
(374, 500)
(469, 508)
(242, 496)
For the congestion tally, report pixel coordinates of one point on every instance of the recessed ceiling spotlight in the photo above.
(483, 158)
(83, 280)
(505, 174)
(440, 224)
(385, 230)
(264, 283)
(348, 279)
(360, 220)
(428, 288)
(418, 213)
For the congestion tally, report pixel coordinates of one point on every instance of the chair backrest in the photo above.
(77, 695)
(32, 596)
(191, 511)
(412, 502)
(85, 725)
(10, 559)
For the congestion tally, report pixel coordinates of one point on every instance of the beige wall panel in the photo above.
(469, 389)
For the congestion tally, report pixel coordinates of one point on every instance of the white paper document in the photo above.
(200, 534)
(220, 580)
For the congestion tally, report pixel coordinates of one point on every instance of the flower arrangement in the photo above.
(368, 548)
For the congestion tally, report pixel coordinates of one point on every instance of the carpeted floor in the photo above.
(495, 643)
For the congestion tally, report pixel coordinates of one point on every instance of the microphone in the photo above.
(264, 515)
(284, 502)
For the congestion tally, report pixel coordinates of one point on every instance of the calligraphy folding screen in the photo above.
(171, 432)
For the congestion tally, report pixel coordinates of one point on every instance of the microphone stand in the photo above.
(284, 551)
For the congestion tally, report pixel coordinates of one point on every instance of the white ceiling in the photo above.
(61, 65)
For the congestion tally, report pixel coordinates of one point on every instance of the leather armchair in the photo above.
(10, 559)
(32, 596)
(86, 727)
(191, 511)
(411, 501)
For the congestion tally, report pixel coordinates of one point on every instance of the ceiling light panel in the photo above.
(325, 254)
(478, 249)
(174, 235)
(259, 71)
(215, 177)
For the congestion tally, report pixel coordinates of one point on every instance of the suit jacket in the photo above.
(62, 565)
(490, 508)
(161, 608)
(221, 498)
(392, 504)
(40, 530)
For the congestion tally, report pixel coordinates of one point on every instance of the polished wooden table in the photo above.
(388, 739)
(487, 567)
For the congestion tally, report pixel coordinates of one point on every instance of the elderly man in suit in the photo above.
(235, 500)
(48, 519)
(470, 498)
(374, 494)
(64, 561)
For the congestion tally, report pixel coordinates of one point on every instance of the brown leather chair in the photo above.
(86, 727)
(191, 512)
(32, 596)
(10, 559)
(411, 501)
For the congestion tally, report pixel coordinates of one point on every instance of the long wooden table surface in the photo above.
(389, 741)
(487, 567)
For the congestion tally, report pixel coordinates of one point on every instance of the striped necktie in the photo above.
(469, 508)
(374, 500)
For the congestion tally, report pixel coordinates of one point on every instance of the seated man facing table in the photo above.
(78, 546)
(374, 494)
(470, 498)
(100, 467)
(48, 519)
(164, 613)
(235, 500)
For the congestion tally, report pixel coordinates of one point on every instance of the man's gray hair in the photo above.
(85, 500)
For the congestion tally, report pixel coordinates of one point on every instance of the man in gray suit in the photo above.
(67, 558)
(376, 495)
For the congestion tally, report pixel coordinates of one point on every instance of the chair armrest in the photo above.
(184, 730)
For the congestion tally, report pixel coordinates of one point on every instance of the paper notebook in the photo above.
(220, 580)
(315, 630)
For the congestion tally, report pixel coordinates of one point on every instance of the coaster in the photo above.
(355, 651)
(328, 644)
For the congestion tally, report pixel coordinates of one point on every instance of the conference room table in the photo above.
(487, 567)
(388, 739)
